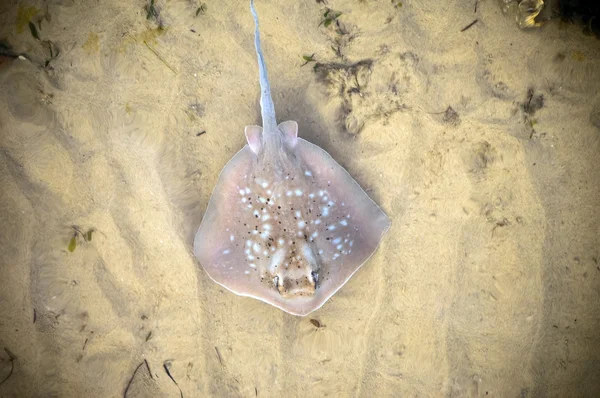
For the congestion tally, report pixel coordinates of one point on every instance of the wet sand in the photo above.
(482, 147)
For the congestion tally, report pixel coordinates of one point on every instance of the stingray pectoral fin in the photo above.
(253, 137)
(221, 239)
(290, 132)
(360, 223)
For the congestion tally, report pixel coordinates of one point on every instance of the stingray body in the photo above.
(286, 224)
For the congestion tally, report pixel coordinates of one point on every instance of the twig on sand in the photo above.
(12, 358)
(131, 380)
(159, 57)
(219, 356)
(148, 367)
(166, 365)
(469, 25)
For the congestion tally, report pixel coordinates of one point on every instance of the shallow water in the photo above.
(481, 146)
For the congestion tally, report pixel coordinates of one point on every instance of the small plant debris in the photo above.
(532, 104)
(79, 234)
(469, 25)
(151, 11)
(50, 46)
(33, 31)
(329, 16)
(11, 358)
(132, 377)
(219, 356)
(308, 58)
(24, 16)
(451, 116)
(201, 9)
(166, 366)
(397, 4)
(316, 323)
(73, 244)
(54, 52)
(159, 57)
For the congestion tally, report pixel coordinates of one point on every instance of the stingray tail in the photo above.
(266, 102)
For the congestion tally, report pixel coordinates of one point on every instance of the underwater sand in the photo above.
(488, 283)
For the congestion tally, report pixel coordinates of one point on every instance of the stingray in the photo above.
(285, 224)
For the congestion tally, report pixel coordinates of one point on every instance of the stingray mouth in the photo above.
(304, 286)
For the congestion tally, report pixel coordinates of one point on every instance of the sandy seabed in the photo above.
(482, 146)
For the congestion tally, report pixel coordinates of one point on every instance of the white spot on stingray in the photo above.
(344, 222)
(265, 253)
(297, 214)
(321, 193)
(248, 243)
(249, 206)
(337, 240)
(325, 198)
(321, 251)
(256, 213)
(262, 200)
(226, 251)
(331, 227)
(331, 203)
(351, 243)
(252, 265)
(264, 184)
(317, 222)
(298, 192)
(276, 260)
(264, 234)
(247, 272)
(314, 234)
(250, 257)
(336, 255)
(269, 192)
(288, 193)
(267, 227)
(244, 200)
(312, 195)
(280, 241)
(339, 247)
(301, 224)
(325, 211)
(307, 173)
(343, 204)
(242, 192)
(254, 232)
(247, 190)
(265, 217)
(231, 238)
(308, 254)
(299, 233)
